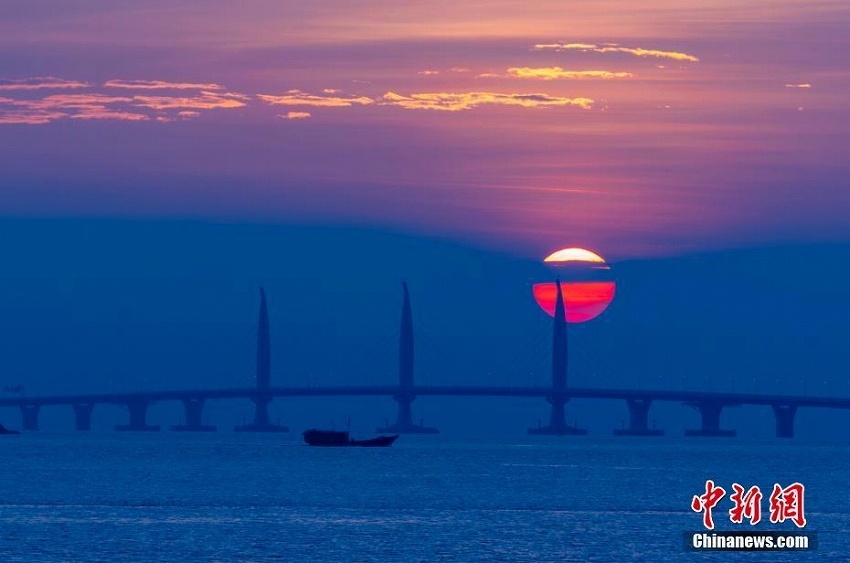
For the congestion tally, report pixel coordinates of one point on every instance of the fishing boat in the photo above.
(314, 437)
(4, 430)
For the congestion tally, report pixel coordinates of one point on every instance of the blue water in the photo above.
(236, 497)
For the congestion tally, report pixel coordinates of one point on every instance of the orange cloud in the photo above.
(29, 117)
(159, 85)
(557, 73)
(299, 98)
(58, 106)
(71, 101)
(614, 48)
(103, 106)
(803, 85)
(455, 102)
(41, 83)
(104, 113)
(206, 100)
(455, 69)
(296, 115)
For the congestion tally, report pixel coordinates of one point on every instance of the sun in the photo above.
(574, 255)
(586, 285)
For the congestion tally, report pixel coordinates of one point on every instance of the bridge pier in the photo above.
(710, 412)
(638, 420)
(138, 413)
(557, 420)
(29, 416)
(194, 407)
(784, 420)
(261, 418)
(82, 415)
(404, 422)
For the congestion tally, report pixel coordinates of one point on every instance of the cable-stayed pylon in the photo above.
(262, 398)
(405, 395)
(558, 396)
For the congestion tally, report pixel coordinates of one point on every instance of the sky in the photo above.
(160, 161)
(645, 130)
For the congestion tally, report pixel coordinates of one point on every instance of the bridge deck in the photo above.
(434, 391)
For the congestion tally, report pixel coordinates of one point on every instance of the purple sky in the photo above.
(635, 129)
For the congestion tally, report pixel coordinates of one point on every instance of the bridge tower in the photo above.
(558, 397)
(262, 399)
(405, 396)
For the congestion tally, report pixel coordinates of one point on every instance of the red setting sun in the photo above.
(585, 295)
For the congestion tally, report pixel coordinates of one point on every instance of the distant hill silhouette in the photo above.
(92, 305)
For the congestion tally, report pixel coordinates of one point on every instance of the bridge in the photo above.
(709, 404)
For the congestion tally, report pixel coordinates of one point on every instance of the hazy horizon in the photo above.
(94, 305)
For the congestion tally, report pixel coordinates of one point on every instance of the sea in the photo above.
(208, 497)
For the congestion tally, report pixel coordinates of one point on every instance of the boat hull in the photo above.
(315, 437)
(8, 431)
(379, 442)
(333, 438)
